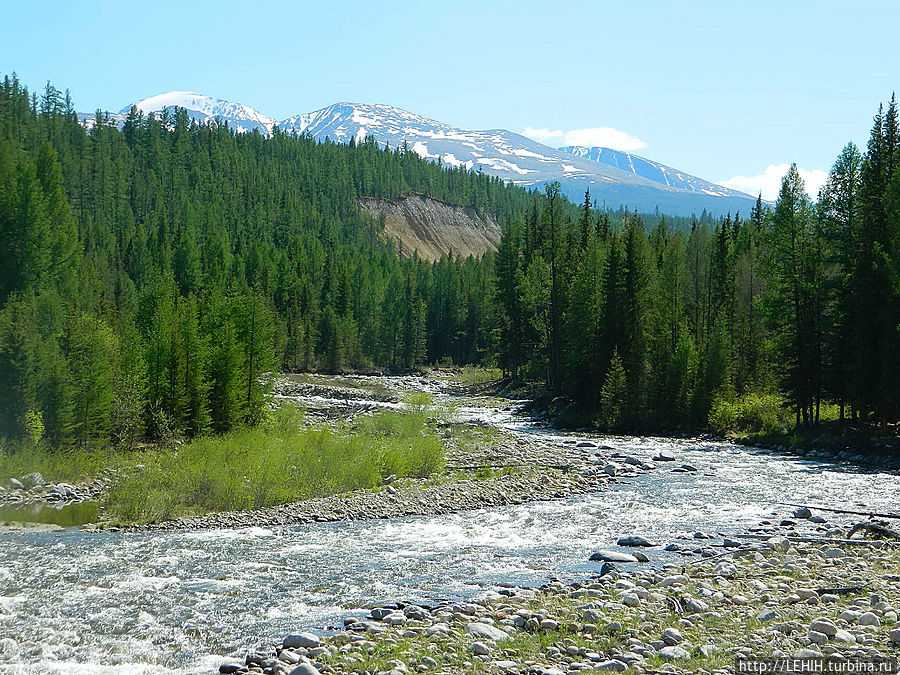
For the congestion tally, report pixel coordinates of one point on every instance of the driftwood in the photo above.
(874, 528)
(870, 514)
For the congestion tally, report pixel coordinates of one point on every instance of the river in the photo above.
(82, 602)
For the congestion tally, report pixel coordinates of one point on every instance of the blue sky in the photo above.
(720, 89)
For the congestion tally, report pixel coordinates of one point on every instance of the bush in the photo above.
(752, 413)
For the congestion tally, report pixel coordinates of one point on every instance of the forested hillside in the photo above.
(784, 310)
(151, 278)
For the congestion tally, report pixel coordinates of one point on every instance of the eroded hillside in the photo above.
(433, 228)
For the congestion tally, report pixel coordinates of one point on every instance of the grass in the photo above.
(282, 461)
(278, 463)
(69, 465)
(472, 376)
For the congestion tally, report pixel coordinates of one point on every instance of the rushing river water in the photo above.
(77, 602)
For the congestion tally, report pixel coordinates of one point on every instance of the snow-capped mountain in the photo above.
(205, 108)
(659, 173)
(202, 109)
(613, 178)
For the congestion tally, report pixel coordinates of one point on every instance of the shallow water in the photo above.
(67, 515)
(76, 602)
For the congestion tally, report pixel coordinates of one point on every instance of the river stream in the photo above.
(176, 602)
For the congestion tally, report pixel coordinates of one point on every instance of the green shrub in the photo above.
(752, 413)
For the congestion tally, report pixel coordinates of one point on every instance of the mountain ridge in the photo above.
(614, 178)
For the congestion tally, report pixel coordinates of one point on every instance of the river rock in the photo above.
(672, 580)
(766, 615)
(437, 629)
(610, 469)
(305, 640)
(844, 636)
(613, 556)
(16, 484)
(663, 457)
(674, 653)
(895, 636)
(305, 669)
(499, 665)
(634, 540)
(289, 656)
(817, 637)
(802, 512)
(825, 626)
(613, 664)
(485, 631)
(782, 544)
(34, 479)
(479, 649)
(850, 615)
(672, 636)
(726, 569)
(228, 668)
(395, 619)
(869, 619)
(695, 606)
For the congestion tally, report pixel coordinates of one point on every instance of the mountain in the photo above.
(200, 108)
(647, 168)
(625, 180)
(614, 178)
(205, 108)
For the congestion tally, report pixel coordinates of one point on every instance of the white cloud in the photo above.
(606, 137)
(769, 181)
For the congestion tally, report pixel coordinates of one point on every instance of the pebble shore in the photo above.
(768, 595)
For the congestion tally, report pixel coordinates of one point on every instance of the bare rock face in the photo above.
(433, 228)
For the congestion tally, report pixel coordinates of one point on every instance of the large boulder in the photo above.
(485, 631)
(613, 556)
(305, 640)
(34, 479)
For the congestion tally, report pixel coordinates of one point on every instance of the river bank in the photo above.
(830, 441)
(769, 595)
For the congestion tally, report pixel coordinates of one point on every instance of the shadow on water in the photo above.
(70, 515)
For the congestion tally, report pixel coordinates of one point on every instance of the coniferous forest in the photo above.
(153, 277)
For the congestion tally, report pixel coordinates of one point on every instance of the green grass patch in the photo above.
(471, 375)
(280, 462)
(69, 465)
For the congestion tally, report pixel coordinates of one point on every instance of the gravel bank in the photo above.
(775, 596)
